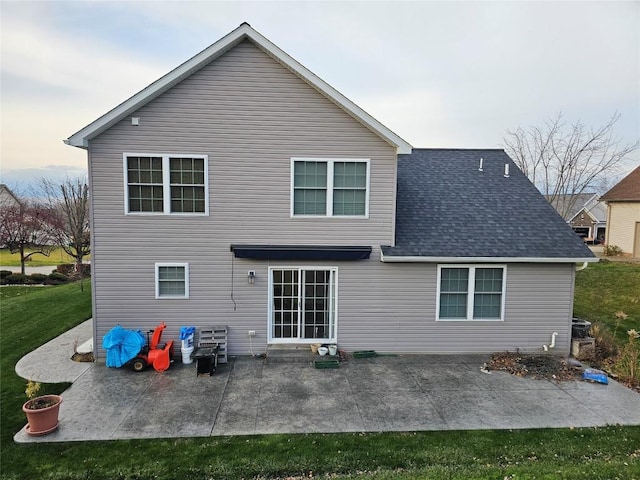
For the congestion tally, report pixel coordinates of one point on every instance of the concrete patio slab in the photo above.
(250, 396)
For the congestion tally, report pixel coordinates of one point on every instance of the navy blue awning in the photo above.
(301, 252)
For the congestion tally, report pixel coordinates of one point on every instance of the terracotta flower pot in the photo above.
(42, 414)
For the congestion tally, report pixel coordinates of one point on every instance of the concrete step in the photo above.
(290, 354)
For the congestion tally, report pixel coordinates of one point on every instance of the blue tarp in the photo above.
(122, 345)
(186, 332)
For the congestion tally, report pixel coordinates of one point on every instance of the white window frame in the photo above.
(186, 280)
(166, 183)
(334, 303)
(329, 203)
(471, 292)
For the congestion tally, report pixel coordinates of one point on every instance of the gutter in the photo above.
(419, 259)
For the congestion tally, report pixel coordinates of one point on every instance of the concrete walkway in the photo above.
(248, 396)
(29, 269)
(51, 363)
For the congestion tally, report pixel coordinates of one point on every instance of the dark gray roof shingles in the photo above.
(446, 207)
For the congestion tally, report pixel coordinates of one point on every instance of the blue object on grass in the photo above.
(122, 345)
(594, 375)
(186, 332)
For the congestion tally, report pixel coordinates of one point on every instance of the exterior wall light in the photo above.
(251, 277)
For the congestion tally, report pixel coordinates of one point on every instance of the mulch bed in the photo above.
(548, 367)
(82, 357)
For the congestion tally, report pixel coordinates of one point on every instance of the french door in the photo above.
(303, 304)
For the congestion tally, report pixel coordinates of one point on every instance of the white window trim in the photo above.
(334, 336)
(166, 183)
(330, 163)
(471, 291)
(186, 281)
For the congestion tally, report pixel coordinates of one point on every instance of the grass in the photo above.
(56, 257)
(31, 316)
(603, 289)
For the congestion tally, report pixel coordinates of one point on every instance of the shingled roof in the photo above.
(447, 209)
(626, 190)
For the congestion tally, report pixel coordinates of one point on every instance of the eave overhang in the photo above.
(425, 259)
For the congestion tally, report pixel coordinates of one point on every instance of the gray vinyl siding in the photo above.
(250, 115)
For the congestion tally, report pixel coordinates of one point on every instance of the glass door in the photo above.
(303, 304)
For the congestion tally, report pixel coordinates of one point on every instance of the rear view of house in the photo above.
(242, 190)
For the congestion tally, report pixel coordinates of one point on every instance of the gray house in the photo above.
(240, 189)
(586, 214)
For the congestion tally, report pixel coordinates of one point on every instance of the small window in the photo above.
(330, 188)
(471, 292)
(166, 184)
(172, 280)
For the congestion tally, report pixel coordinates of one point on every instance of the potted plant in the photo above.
(42, 412)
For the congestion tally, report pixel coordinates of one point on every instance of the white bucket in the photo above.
(188, 342)
(323, 351)
(186, 355)
(333, 349)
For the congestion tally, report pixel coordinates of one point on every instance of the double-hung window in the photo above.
(330, 188)
(166, 184)
(471, 292)
(172, 280)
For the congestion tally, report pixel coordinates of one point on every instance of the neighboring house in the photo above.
(623, 214)
(7, 197)
(586, 214)
(240, 189)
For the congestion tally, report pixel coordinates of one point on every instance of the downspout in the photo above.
(553, 342)
(584, 265)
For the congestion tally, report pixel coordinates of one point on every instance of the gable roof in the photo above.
(7, 196)
(626, 190)
(243, 32)
(449, 211)
(588, 202)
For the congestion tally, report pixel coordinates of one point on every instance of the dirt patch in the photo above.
(547, 367)
(82, 357)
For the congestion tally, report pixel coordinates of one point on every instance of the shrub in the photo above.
(605, 344)
(15, 279)
(56, 278)
(69, 269)
(627, 365)
(37, 278)
(612, 250)
(65, 269)
(4, 274)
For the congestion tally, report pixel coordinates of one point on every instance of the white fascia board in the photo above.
(416, 259)
(244, 31)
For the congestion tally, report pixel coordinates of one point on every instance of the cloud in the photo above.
(437, 73)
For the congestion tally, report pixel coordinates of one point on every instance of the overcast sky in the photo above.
(439, 74)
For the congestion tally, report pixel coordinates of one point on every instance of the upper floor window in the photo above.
(324, 187)
(471, 292)
(166, 184)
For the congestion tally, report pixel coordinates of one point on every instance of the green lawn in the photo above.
(56, 257)
(603, 289)
(38, 314)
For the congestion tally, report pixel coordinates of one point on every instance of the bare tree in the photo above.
(70, 203)
(27, 228)
(563, 160)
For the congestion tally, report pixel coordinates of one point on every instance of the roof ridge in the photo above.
(459, 149)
